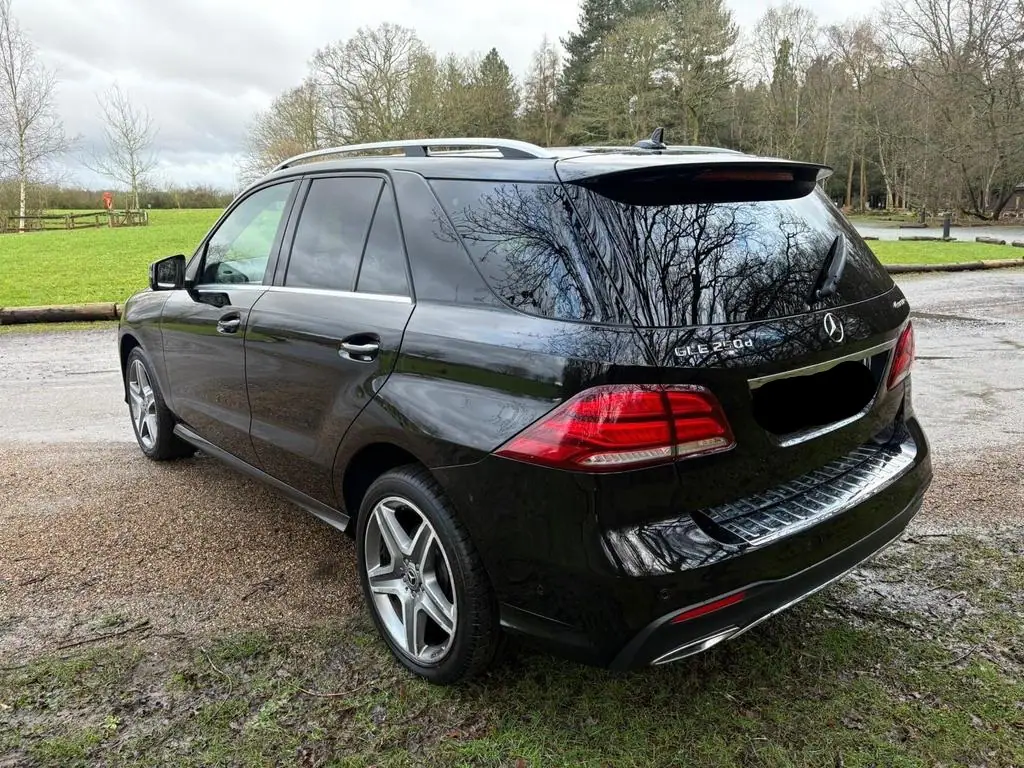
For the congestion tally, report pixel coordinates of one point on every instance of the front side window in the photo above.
(238, 252)
(331, 232)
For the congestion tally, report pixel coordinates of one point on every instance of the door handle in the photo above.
(363, 348)
(229, 323)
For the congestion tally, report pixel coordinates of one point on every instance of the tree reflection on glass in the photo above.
(521, 237)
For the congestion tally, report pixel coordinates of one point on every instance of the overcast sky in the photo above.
(204, 67)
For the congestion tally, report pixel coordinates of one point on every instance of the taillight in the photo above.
(615, 427)
(903, 357)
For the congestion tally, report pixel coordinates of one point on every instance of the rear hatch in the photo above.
(742, 277)
(730, 273)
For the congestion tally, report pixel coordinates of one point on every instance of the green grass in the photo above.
(904, 252)
(63, 267)
(73, 267)
(813, 687)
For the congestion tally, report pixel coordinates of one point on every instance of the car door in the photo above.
(203, 327)
(322, 340)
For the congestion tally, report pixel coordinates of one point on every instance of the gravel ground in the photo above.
(92, 532)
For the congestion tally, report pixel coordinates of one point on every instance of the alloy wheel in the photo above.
(410, 579)
(142, 402)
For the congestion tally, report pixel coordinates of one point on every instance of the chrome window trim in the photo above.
(389, 297)
(222, 287)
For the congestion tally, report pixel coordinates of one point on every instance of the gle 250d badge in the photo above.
(726, 346)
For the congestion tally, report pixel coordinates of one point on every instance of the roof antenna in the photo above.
(655, 142)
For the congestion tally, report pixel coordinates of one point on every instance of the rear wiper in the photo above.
(831, 272)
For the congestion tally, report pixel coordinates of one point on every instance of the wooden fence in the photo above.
(45, 222)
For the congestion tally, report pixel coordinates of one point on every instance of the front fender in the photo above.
(139, 325)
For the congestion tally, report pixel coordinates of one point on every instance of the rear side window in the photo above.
(331, 233)
(383, 267)
(522, 238)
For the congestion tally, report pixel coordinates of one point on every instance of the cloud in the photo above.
(204, 67)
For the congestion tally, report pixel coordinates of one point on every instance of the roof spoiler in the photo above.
(680, 180)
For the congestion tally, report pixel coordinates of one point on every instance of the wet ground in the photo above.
(969, 374)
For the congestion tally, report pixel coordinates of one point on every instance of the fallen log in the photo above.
(67, 313)
(990, 240)
(963, 266)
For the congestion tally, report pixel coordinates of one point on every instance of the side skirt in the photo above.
(329, 515)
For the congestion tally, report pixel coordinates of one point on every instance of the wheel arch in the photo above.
(364, 466)
(126, 344)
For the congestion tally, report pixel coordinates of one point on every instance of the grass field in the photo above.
(75, 267)
(838, 681)
(64, 267)
(902, 252)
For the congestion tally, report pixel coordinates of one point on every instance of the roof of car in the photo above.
(505, 159)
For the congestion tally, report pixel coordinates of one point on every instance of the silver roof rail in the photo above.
(678, 149)
(509, 148)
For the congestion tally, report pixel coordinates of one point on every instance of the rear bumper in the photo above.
(662, 641)
(607, 597)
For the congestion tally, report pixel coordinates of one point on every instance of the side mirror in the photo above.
(167, 274)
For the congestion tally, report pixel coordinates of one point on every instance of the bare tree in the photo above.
(782, 48)
(128, 157)
(33, 134)
(964, 56)
(541, 120)
(293, 124)
(367, 81)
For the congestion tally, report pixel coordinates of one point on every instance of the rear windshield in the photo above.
(573, 253)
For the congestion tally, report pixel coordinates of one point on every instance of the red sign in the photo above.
(108, 200)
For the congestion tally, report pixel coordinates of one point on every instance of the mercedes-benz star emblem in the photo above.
(834, 327)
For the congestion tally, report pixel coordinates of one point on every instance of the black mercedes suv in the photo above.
(629, 402)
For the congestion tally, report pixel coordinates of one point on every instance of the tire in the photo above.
(154, 430)
(452, 570)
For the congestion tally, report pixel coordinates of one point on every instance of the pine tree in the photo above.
(597, 18)
(453, 97)
(627, 92)
(494, 98)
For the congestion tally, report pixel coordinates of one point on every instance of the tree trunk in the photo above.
(849, 184)
(1003, 202)
(828, 130)
(863, 183)
(21, 206)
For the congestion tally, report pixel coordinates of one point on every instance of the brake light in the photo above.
(744, 174)
(903, 357)
(615, 427)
